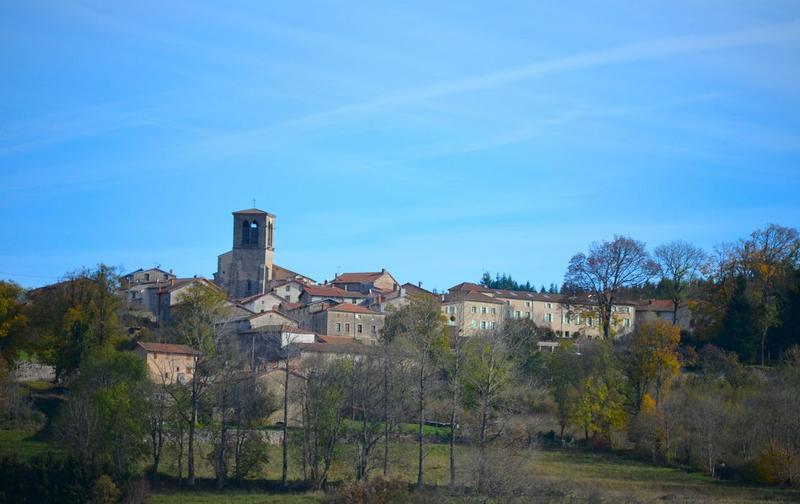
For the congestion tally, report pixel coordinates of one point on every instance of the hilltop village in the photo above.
(271, 306)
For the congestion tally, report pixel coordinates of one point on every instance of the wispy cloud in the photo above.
(631, 53)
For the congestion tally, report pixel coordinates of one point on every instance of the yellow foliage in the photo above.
(773, 466)
(648, 405)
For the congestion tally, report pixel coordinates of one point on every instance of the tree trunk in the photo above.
(190, 480)
(386, 416)
(223, 443)
(285, 461)
(675, 303)
(420, 471)
(180, 452)
(453, 441)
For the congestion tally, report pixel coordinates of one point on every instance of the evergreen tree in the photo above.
(739, 330)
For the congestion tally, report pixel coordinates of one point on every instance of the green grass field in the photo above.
(579, 476)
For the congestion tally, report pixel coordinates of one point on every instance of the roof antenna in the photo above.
(254, 202)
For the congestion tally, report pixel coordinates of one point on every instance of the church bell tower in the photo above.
(247, 269)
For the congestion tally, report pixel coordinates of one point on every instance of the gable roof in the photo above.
(477, 297)
(365, 277)
(277, 270)
(415, 290)
(468, 286)
(255, 297)
(330, 291)
(351, 308)
(269, 312)
(167, 348)
(656, 305)
(142, 270)
(177, 283)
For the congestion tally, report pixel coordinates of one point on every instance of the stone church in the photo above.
(247, 270)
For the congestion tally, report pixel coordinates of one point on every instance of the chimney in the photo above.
(383, 270)
(419, 284)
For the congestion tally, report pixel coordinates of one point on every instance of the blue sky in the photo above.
(435, 139)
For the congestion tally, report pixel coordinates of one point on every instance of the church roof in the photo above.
(252, 211)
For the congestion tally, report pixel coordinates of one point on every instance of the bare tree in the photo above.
(608, 268)
(322, 398)
(679, 263)
(486, 381)
(420, 325)
(199, 322)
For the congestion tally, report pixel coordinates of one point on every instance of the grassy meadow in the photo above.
(571, 475)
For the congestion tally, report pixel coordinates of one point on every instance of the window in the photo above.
(589, 321)
(566, 334)
(494, 311)
(358, 316)
(474, 309)
(147, 277)
(527, 304)
(493, 325)
(516, 314)
(528, 315)
(627, 309)
(177, 369)
(338, 327)
(627, 322)
(347, 327)
(548, 317)
(288, 288)
(359, 329)
(483, 324)
(483, 309)
(374, 330)
(548, 306)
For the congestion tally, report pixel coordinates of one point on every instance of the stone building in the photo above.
(145, 276)
(366, 282)
(247, 269)
(471, 307)
(168, 363)
(317, 293)
(343, 319)
(662, 309)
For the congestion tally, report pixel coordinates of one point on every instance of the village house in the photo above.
(367, 282)
(144, 276)
(343, 319)
(261, 302)
(287, 290)
(383, 302)
(662, 309)
(469, 307)
(316, 293)
(168, 363)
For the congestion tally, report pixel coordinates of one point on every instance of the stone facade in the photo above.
(247, 269)
(168, 363)
(471, 308)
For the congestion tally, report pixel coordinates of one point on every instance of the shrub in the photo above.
(374, 491)
(103, 491)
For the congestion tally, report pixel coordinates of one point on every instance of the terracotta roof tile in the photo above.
(365, 277)
(167, 348)
(330, 291)
(351, 308)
